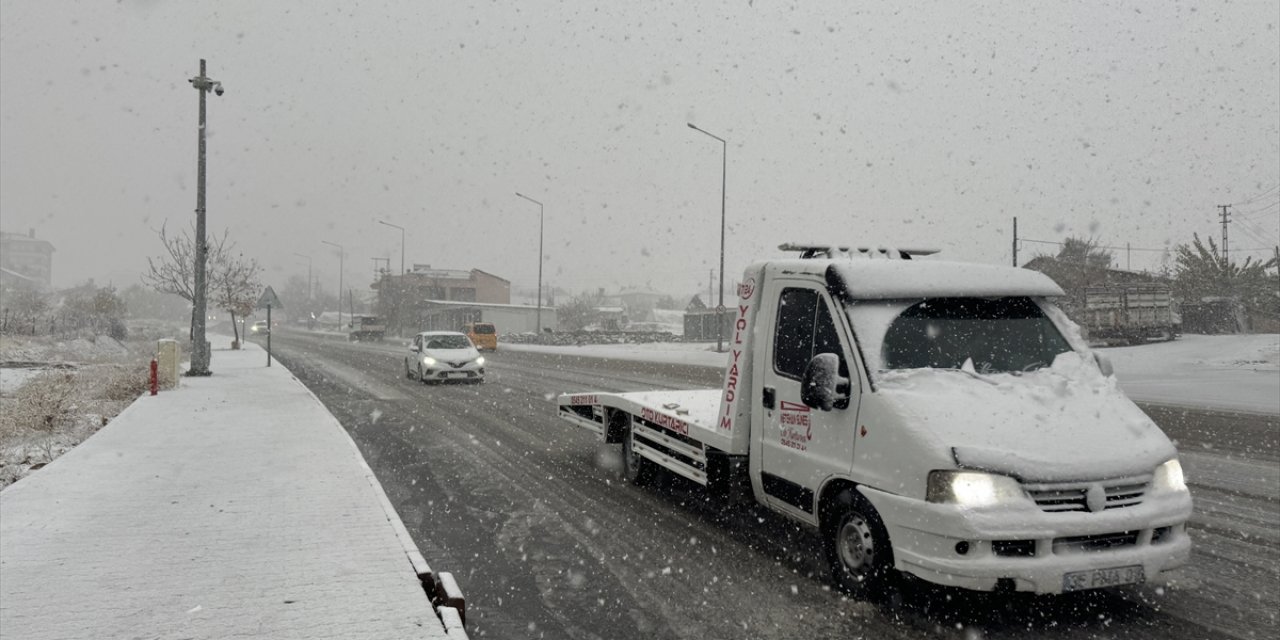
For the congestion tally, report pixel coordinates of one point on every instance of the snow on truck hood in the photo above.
(1063, 423)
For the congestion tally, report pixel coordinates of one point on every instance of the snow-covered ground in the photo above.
(1238, 373)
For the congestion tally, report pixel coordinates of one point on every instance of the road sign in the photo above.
(268, 300)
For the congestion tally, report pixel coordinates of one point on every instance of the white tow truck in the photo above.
(938, 418)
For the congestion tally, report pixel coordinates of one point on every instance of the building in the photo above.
(25, 260)
(404, 300)
(450, 315)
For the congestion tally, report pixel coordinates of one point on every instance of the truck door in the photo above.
(802, 446)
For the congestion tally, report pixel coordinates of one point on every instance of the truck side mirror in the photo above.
(823, 387)
(1104, 364)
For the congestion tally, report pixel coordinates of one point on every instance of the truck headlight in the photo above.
(429, 361)
(972, 488)
(1169, 477)
(480, 361)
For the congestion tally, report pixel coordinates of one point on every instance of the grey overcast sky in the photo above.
(846, 121)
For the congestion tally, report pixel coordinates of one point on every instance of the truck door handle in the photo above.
(767, 396)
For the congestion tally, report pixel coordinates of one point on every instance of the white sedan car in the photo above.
(443, 355)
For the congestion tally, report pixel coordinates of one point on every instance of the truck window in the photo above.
(997, 334)
(804, 329)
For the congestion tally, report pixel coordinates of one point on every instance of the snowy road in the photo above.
(547, 543)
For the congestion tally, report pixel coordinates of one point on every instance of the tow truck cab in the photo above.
(941, 419)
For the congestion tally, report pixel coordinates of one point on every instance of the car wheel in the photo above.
(408, 373)
(857, 545)
(638, 470)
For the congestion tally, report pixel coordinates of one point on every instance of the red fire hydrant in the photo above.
(155, 376)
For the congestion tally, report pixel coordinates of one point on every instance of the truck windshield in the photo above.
(994, 334)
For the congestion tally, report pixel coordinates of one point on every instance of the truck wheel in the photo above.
(638, 470)
(857, 545)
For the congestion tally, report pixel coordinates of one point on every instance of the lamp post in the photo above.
(199, 346)
(340, 256)
(540, 227)
(396, 226)
(724, 173)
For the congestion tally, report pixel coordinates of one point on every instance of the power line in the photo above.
(1252, 212)
(1257, 196)
(1170, 248)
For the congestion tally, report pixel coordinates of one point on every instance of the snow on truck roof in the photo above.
(869, 279)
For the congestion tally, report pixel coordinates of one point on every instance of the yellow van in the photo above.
(482, 334)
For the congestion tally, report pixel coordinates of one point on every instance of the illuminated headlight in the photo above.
(429, 361)
(972, 488)
(480, 361)
(1169, 477)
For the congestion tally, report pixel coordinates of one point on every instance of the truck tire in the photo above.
(857, 545)
(637, 470)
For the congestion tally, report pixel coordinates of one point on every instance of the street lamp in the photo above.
(539, 259)
(396, 226)
(309, 297)
(200, 347)
(724, 173)
(340, 257)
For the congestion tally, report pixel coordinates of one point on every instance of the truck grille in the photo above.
(1097, 542)
(1074, 496)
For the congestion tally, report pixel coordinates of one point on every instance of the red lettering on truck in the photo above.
(665, 421)
(731, 379)
(583, 399)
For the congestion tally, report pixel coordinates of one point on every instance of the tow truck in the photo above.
(936, 418)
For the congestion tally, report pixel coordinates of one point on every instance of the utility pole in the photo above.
(1015, 241)
(1225, 220)
(1128, 257)
(200, 346)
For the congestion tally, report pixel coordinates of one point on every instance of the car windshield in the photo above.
(447, 342)
(987, 334)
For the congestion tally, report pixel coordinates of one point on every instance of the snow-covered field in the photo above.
(1237, 373)
(55, 392)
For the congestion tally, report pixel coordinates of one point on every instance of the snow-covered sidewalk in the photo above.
(233, 506)
(1231, 373)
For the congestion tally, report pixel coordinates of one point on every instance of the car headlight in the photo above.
(1169, 477)
(972, 488)
(429, 361)
(480, 361)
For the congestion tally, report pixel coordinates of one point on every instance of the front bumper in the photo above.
(447, 372)
(1028, 549)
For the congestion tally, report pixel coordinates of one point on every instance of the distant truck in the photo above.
(940, 419)
(1130, 313)
(365, 328)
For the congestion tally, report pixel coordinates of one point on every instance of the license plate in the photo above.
(1099, 578)
(456, 374)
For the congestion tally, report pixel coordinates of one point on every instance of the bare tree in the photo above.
(232, 278)
(234, 286)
